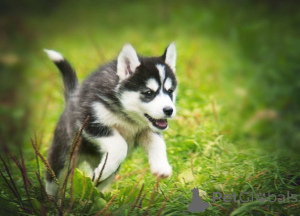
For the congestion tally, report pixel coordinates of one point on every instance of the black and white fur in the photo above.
(128, 102)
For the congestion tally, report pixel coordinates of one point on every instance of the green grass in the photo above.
(237, 128)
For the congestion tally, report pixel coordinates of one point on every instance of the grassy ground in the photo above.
(237, 128)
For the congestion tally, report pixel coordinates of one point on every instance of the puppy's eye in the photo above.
(170, 91)
(148, 93)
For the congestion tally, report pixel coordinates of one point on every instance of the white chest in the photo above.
(128, 131)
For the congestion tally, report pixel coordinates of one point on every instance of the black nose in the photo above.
(168, 110)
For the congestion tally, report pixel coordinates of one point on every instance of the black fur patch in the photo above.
(145, 71)
(96, 129)
(69, 77)
(89, 148)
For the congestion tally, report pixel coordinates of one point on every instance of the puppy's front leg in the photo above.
(116, 149)
(155, 146)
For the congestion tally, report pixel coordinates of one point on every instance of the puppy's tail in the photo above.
(68, 73)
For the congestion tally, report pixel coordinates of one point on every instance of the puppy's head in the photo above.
(147, 86)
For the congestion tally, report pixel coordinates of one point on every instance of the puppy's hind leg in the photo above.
(57, 156)
(101, 185)
(104, 185)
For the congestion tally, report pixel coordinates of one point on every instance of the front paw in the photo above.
(163, 170)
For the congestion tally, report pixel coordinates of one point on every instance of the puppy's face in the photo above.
(148, 92)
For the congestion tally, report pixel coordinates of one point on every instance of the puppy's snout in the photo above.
(168, 110)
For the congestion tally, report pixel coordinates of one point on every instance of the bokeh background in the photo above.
(238, 123)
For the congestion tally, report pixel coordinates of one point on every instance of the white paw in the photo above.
(51, 188)
(163, 170)
(96, 173)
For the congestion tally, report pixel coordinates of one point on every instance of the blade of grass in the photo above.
(137, 199)
(164, 204)
(36, 157)
(152, 196)
(24, 169)
(45, 194)
(72, 174)
(95, 183)
(69, 162)
(13, 187)
(107, 206)
(47, 165)
(24, 176)
(12, 190)
(135, 186)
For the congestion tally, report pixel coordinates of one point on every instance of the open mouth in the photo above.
(159, 123)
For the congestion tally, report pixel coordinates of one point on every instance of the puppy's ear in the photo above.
(128, 61)
(170, 56)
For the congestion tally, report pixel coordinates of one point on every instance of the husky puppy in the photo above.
(128, 102)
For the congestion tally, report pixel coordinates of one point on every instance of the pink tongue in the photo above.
(162, 123)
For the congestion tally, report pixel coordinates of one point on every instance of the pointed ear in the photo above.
(128, 61)
(170, 56)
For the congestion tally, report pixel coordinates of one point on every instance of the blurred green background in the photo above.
(239, 82)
